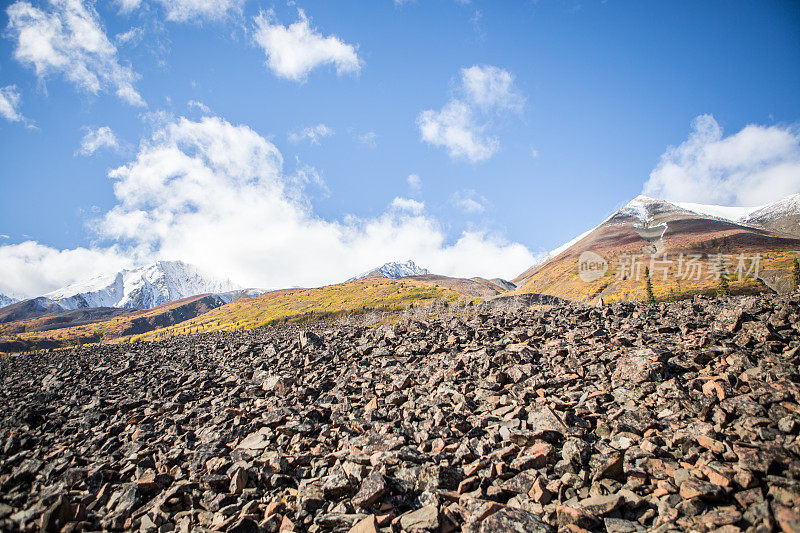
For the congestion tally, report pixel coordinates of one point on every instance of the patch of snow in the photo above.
(732, 213)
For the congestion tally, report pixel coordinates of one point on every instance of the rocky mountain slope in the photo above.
(622, 418)
(140, 288)
(683, 249)
(393, 270)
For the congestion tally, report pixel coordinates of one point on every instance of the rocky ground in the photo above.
(620, 418)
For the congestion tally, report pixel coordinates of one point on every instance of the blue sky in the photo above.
(542, 118)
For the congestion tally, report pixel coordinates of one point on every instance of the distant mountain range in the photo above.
(680, 244)
(394, 270)
(140, 288)
(671, 235)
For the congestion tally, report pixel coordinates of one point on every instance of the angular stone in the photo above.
(512, 520)
(695, 488)
(367, 525)
(424, 519)
(57, 515)
(568, 515)
(522, 483)
(254, 441)
(238, 481)
(601, 505)
(545, 424)
(372, 489)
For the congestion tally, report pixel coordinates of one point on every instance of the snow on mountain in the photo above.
(140, 288)
(394, 270)
(789, 206)
(784, 207)
(782, 216)
(732, 213)
(7, 300)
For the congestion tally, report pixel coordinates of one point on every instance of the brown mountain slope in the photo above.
(475, 287)
(683, 250)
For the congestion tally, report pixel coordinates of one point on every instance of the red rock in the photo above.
(474, 510)
(788, 519)
(600, 505)
(710, 444)
(367, 525)
(695, 488)
(287, 525)
(539, 492)
(571, 515)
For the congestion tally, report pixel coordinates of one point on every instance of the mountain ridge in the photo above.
(144, 287)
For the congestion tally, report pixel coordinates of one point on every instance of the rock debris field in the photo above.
(622, 418)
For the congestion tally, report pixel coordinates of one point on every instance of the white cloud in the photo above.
(312, 134)
(9, 104)
(197, 10)
(69, 40)
(757, 165)
(469, 201)
(126, 6)
(368, 139)
(132, 37)
(455, 129)
(414, 182)
(490, 87)
(189, 10)
(534, 153)
(215, 194)
(407, 204)
(294, 51)
(404, 2)
(32, 269)
(461, 125)
(200, 106)
(94, 139)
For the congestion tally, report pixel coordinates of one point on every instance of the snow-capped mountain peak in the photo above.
(644, 208)
(7, 300)
(394, 270)
(140, 288)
